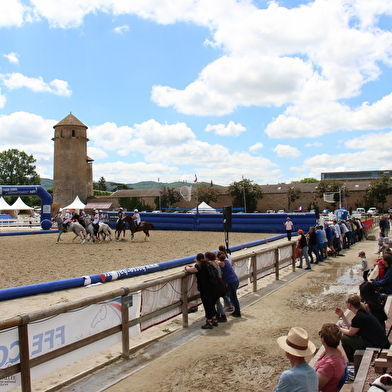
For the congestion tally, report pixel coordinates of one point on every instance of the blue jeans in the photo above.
(232, 289)
(304, 254)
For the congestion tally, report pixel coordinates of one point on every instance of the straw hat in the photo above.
(297, 343)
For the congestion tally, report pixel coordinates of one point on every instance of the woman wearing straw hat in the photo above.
(301, 377)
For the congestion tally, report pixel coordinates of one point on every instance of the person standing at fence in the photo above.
(226, 299)
(302, 245)
(289, 225)
(301, 377)
(207, 287)
(231, 280)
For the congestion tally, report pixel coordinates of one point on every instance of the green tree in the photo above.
(308, 180)
(207, 193)
(245, 194)
(101, 184)
(293, 194)
(130, 203)
(169, 197)
(118, 186)
(336, 186)
(17, 168)
(379, 189)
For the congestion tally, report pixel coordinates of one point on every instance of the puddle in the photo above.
(330, 289)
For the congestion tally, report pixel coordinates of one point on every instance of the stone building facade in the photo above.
(72, 168)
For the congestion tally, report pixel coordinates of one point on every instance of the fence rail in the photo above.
(137, 306)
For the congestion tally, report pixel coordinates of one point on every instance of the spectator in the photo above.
(320, 243)
(331, 366)
(330, 234)
(312, 241)
(380, 242)
(302, 245)
(231, 280)
(207, 288)
(371, 298)
(301, 377)
(289, 225)
(363, 331)
(365, 265)
(385, 284)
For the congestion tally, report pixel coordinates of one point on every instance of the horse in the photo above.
(105, 231)
(76, 227)
(89, 228)
(120, 227)
(144, 226)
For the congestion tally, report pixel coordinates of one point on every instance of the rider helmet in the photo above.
(121, 208)
(135, 210)
(100, 210)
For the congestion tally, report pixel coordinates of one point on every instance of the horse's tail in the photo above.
(152, 226)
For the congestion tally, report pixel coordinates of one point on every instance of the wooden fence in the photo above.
(250, 266)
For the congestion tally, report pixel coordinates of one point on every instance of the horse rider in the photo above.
(67, 219)
(120, 214)
(100, 216)
(96, 222)
(82, 215)
(136, 217)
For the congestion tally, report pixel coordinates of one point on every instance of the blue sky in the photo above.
(272, 91)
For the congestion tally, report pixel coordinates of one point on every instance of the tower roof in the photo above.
(70, 120)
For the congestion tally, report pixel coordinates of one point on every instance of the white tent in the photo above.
(203, 208)
(77, 204)
(20, 205)
(4, 205)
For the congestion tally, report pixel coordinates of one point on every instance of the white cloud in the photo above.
(12, 13)
(121, 29)
(231, 129)
(286, 151)
(16, 80)
(256, 146)
(12, 57)
(315, 144)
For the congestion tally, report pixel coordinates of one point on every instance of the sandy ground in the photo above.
(241, 355)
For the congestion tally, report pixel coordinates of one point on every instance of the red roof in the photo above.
(98, 206)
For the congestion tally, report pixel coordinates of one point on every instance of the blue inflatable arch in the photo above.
(32, 190)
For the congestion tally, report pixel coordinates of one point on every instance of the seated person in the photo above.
(301, 377)
(331, 366)
(363, 331)
(385, 284)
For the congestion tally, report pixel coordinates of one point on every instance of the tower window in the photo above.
(73, 133)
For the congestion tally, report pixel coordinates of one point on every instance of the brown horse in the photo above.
(120, 227)
(144, 227)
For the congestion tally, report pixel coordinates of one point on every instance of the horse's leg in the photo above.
(132, 235)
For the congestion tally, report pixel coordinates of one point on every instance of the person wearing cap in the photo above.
(96, 222)
(136, 217)
(67, 219)
(120, 214)
(301, 377)
(289, 225)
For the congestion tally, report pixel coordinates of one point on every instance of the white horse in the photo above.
(89, 228)
(75, 227)
(104, 231)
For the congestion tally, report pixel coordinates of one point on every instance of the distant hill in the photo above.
(47, 183)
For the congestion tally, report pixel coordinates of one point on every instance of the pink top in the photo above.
(333, 368)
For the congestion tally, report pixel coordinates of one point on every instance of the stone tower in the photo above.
(72, 168)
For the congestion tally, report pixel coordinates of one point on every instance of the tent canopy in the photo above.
(203, 208)
(20, 205)
(77, 204)
(4, 205)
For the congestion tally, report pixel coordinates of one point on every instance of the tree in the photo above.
(293, 194)
(117, 186)
(308, 180)
(379, 189)
(207, 193)
(17, 168)
(336, 186)
(169, 197)
(101, 184)
(245, 194)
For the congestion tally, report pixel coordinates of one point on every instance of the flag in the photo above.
(195, 180)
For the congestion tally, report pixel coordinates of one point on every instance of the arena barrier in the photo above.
(244, 223)
(64, 284)
(34, 345)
